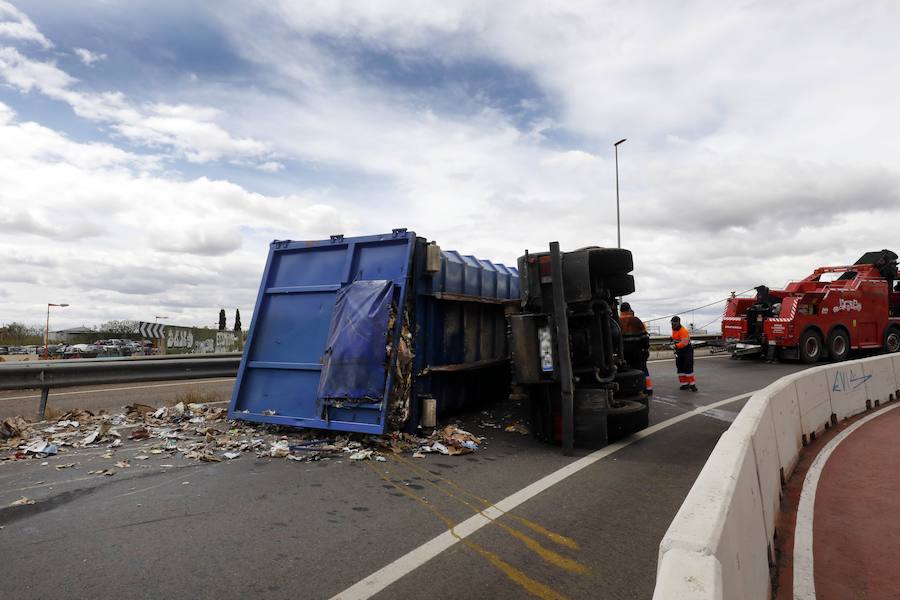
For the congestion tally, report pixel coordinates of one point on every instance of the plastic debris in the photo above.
(122, 464)
(361, 455)
(380, 459)
(41, 448)
(22, 501)
(65, 466)
(231, 455)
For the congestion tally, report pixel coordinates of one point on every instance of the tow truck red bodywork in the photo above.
(813, 319)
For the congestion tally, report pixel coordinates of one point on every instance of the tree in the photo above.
(120, 327)
(237, 320)
(17, 332)
(222, 320)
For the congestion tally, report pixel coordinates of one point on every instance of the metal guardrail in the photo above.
(44, 375)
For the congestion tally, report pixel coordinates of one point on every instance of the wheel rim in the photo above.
(812, 347)
(893, 341)
(839, 346)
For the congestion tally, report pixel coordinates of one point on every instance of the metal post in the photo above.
(45, 392)
(563, 350)
(618, 222)
(47, 339)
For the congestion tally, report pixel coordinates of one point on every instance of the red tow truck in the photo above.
(825, 315)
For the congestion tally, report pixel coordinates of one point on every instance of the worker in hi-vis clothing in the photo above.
(636, 342)
(684, 355)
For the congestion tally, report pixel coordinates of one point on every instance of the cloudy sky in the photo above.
(150, 150)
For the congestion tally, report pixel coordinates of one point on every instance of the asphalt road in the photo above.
(278, 529)
(112, 398)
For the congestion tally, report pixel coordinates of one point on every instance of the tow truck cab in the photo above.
(830, 312)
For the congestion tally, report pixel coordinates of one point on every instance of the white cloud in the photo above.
(134, 240)
(190, 131)
(88, 57)
(16, 25)
(760, 143)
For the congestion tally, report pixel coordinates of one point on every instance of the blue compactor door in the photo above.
(320, 342)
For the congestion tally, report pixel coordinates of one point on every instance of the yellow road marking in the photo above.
(533, 586)
(555, 537)
(554, 558)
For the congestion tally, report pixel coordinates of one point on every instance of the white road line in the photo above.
(121, 389)
(410, 561)
(804, 582)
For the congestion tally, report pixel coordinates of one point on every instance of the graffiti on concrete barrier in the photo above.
(179, 337)
(846, 380)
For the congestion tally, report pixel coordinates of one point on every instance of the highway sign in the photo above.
(151, 330)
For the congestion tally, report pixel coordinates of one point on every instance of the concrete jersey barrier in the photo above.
(720, 544)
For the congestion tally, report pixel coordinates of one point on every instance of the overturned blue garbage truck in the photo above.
(358, 334)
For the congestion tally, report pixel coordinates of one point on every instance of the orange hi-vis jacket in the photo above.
(630, 323)
(681, 337)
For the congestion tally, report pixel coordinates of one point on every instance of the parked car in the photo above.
(4, 350)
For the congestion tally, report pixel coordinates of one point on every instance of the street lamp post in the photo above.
(47, 330)
(618, 222)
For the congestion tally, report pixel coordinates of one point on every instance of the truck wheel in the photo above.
(631, 383)
(838, 345)
(810, 347)
(611, 261)
(892, 340)
(619, 285)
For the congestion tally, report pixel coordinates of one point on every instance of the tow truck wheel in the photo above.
(838, 345)
(892, 340)
(810, 347)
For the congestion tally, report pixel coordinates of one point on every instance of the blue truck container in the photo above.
(351, 334)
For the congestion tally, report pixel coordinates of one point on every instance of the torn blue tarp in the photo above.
(354, 367)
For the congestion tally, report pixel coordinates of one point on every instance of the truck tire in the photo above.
(892, 340)
(611, 261)
(631, 383)
(810, 347)
(619, 285)
(591, 408)
(838, 345)
(633, 417)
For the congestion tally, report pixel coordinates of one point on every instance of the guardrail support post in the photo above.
(45, 392)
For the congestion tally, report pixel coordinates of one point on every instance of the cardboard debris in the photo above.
(517, 428)
(279, 449)
(202, 433)
(13, 427)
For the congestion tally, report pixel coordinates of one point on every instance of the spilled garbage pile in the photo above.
(203, 433)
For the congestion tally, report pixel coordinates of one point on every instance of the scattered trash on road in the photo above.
(22, 501)
(202, 433)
